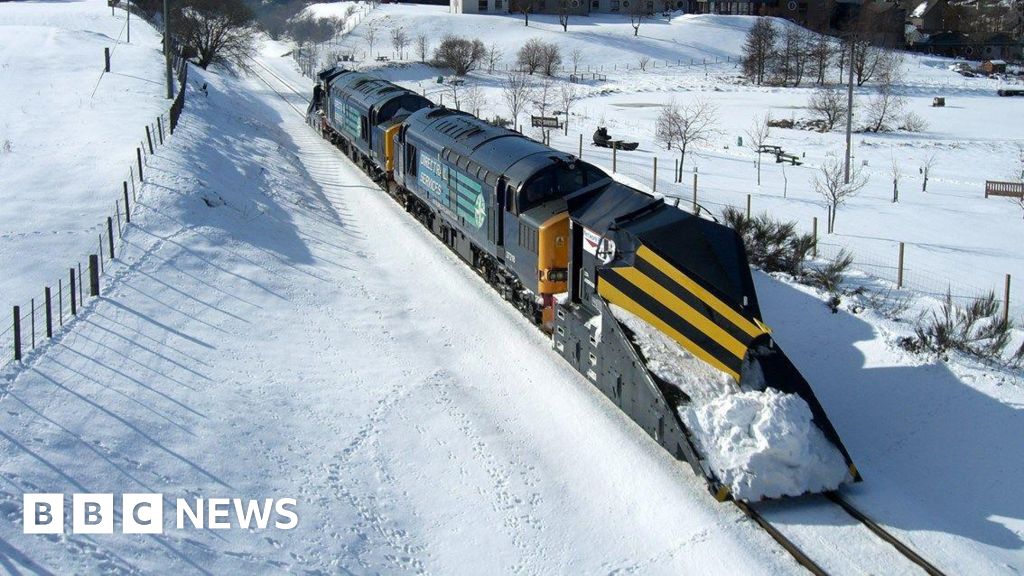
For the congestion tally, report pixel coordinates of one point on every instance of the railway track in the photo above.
(750, 510)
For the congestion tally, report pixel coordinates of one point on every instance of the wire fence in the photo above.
(58, 303)
(886, 260)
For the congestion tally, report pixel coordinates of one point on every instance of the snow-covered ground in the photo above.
(68, 132)
(976, 137)
(269, 332)
(285, 343)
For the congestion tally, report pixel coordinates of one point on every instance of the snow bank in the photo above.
(761, 443)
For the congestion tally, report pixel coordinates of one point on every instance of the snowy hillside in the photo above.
(68, 132)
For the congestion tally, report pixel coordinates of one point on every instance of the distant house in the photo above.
(993, 67)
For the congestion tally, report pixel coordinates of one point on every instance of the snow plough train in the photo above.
(653, 305)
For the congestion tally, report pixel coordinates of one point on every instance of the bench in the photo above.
(1006, 189)
(578, 78)
(382, 58)
(769, 149)
(544, 122)
(791, 158)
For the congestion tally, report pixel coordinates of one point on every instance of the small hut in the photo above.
(993, 66)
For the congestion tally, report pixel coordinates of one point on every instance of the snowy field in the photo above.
(976, 137)
(270, 332)
(68, 132)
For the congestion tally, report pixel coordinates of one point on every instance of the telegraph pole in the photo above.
(849, 112)
(167, 50)
(128, 13)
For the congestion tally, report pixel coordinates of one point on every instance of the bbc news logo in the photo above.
(144, 513)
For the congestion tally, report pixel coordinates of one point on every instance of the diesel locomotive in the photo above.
(564, 242)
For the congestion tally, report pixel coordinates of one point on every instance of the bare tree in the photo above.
(494, 54)
(569, 95)
(757, 137)
(516, 92)
(576, 57)
(530, 56)
(758, 49)
(473, 98)
(637, 14)
(883, 108)
(894, 171)
(454, 90)
(926, 168)
(643, 61)
(682, 127)
(544, 94)
(399, 40)
(551, 58)
(829, 182)
(523, 7)
(828, 104)
(564, 10)
(216, 30)
(462, 55)
(370, 30)
(422, 46)
(821, 50)
(790, 58)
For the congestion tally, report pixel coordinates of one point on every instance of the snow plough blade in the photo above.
(689, 281)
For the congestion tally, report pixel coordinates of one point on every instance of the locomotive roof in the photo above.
(367, 90)
(498, 150)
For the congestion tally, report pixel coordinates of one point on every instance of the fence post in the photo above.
(615, 148)
(81, 292)
(32, 315)
(149, 139)
(654, 178)
(138, 156)
(106, 59)
(117, 209)
(814, 233)
(127, 210)
(60, 301)
(580, 155)
(695, 193)
(49, 312)
(17, 332)
(1006, 300)
(101, 252)
(160, 129)
(748, 206)
(74, 307)
(110, 236)
(899, 271)
(94, 275)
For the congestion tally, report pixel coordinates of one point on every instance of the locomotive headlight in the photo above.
(559, 275)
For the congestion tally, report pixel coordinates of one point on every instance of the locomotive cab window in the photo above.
(411, 161)
(555, 182)
(363, 128)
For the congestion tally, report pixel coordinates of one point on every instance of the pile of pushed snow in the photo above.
(762, 444)
(759, 443)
